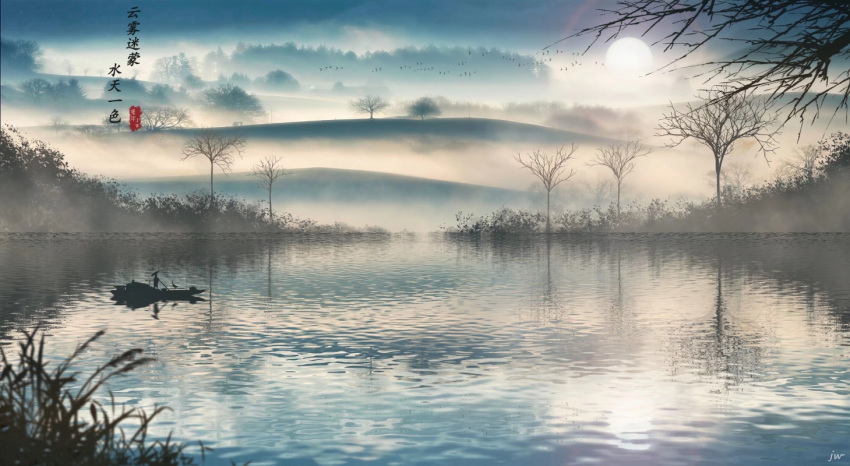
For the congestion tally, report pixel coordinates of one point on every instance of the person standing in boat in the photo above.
(155, 279)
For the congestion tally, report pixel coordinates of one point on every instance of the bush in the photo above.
(40, 192)
(48, 417)
(278, 80)
(502, 221)
(801, 202)
(423, 107)
(229, 97)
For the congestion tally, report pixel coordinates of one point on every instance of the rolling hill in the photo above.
(336, 185)
(399, 128)
(353, 196)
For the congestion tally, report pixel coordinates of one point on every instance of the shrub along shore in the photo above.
(813, 199)
(39, 192)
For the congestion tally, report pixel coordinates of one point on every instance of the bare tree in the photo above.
(110, 126)
(600, 190)
(787, 49)
(620, 159)
(720, 123)
(803, 162)
(549, 169)
(735, 176)
(37, 89)
(217, 149)
(171, 70)
(156, 118)
(267, 172)
(369, 104)
(58, 123)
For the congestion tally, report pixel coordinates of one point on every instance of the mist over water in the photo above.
(338, 345)
(422, 349)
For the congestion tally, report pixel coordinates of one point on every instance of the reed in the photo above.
(52, 417)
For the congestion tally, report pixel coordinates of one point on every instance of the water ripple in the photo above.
(617, 349)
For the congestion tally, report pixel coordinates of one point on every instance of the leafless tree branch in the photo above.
(156, 118)
(550, 169)
(369, 104)
(217, 149)
(720, 123)
(620, 159)
(791, 48)
(267, 171)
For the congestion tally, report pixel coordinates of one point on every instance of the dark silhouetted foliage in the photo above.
(192, 81)
(279, 80)
(37, 90)
(54, 416)
(40, 192)
(43, 92)
(502, 221)
(232, 98)
(836, 155)
(423, 107)
(19, 57)
(789, 47)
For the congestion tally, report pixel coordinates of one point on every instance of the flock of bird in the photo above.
(543, 58)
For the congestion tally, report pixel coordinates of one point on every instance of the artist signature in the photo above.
(836, 456)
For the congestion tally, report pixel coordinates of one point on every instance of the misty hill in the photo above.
(783, 103)
(337, 185)
(402, 128)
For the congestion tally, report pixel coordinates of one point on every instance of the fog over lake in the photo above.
(432, 232)
(422, 349)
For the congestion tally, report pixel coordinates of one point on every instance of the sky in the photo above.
(514, 23)
(91, 34)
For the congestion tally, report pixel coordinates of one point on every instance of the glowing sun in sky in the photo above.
(629, 56)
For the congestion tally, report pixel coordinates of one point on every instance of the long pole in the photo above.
(212, 196)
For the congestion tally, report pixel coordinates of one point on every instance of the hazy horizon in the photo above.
(503, 62)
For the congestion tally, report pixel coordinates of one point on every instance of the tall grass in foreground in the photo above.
(48, 418)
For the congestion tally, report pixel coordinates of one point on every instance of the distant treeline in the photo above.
(19, 57)
(40, 192)
(814, 199)
(424, 64)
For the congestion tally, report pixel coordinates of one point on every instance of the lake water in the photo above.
(418, 349)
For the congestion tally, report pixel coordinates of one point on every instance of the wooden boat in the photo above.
(136, 291)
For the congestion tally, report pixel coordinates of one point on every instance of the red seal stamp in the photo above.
(135, 118)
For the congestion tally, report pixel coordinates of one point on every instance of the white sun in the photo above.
(629, 56)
